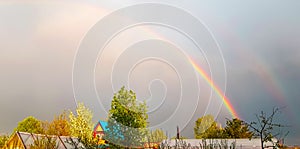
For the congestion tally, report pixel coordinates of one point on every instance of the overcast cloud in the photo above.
(260, 42)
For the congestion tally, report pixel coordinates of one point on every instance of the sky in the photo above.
(56, 53)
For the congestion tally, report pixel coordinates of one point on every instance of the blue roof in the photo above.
(103, 124)
(104, 127)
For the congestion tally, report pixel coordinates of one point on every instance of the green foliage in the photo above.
(81, 125)
(44, 143)
(235, 128)
(3, 139)
(206, 127)
(127, 120)
(31, 125)
(157, 135)
(60, 126)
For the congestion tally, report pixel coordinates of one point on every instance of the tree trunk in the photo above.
(261, 141)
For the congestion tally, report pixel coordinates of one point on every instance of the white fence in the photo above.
(216, 144)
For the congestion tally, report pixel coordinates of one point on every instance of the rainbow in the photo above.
(261, 68)
(215, 88)
(206, 77)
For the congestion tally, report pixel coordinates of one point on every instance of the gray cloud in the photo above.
(39, 41)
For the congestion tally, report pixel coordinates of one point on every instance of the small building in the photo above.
(24, 140)
(99, 129)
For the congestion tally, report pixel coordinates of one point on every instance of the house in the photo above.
(24, 140)
(99, 129)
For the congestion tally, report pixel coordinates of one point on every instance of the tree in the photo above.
(3, 139)
(206, 127)
(235, 128)
(44, 143)
(81, 125)
(60, 126)
(31, 125)
(127, 120)
(265, 128)
(154, 138)
(157, 135)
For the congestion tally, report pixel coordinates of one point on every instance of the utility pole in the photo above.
(177, 133)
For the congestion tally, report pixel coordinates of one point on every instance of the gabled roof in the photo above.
(25, 140)
(103, 126)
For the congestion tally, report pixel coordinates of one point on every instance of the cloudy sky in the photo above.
(254, 59)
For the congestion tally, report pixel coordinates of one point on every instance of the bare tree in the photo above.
(266, 129)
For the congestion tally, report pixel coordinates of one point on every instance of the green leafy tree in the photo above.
(157, 135)
(127, 120)
(206, 127)
(60, 126)
(31, 125)
(235, 128)
(44, 143)
(266, 128)
(81, 125)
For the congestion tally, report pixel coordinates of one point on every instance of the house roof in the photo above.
(102, 124)
(101, 127)
(25, 140)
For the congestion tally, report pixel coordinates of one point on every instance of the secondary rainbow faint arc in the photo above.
(215, 88)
